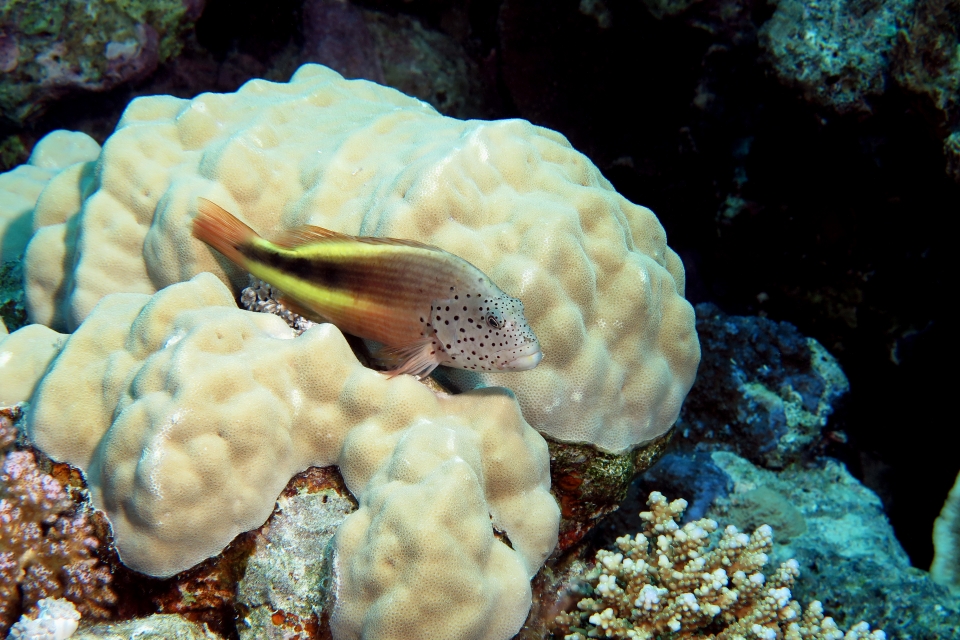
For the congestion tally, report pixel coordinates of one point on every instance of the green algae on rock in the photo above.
(589, 483)
(13, 314)
(51, 48)
(286, 587)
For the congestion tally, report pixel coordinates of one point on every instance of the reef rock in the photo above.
(763, 390)
(54, 48)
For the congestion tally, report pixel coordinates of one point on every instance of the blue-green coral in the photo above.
(835, 51)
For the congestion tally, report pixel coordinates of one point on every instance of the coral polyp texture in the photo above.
(601, 288)
(46, 547)
(686, 582)
(189, 416)
(20, 187)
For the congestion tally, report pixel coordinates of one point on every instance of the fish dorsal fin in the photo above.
(309, 234)
(306, 234)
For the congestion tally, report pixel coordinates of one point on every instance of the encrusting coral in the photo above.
(670, 581)
(55, 619)
(46, 546)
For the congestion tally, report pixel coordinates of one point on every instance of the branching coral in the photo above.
(683, 582)
(46, 547)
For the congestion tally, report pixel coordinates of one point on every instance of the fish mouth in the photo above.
(524, 362)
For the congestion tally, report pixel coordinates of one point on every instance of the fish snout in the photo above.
(525, 358)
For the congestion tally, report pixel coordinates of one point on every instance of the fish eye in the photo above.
(494, 322)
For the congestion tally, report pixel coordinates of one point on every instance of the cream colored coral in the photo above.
(24, 357)
(55, 619)
(20, 187)
(946, 542)
(601, 288)
(189, 416)
(677, 580)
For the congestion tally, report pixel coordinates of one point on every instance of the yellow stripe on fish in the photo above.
(427, 306)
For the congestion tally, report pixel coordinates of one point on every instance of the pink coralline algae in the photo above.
(46, 546)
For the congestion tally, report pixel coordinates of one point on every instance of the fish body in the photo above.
(426, 305)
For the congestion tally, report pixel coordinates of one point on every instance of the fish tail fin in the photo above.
(222, 230)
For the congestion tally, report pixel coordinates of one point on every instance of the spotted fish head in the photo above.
(484, 333)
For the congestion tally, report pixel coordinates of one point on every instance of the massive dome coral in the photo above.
(602, 290)
(188, 417)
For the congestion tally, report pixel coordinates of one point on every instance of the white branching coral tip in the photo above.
(861, 631)
(607, 585)
(674, 579)
(649, 596)
(689, 602)
(674, 623)
(612, 561)
(603, 619)
(781, 596)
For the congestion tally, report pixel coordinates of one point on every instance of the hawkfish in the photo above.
(428, 307)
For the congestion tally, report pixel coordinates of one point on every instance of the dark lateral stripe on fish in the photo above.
(364, 269)
(326, 273)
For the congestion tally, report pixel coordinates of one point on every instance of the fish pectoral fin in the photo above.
(300, 310)
(418, 359)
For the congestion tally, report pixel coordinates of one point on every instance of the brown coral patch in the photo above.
(48, 543)
(316, 480)
(589, 483)
(8, 418)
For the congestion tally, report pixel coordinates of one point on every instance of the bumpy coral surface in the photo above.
(683, 582)
(46, 547)
(20, 187)
(24, 358)
(601, 288)
(189, 416)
